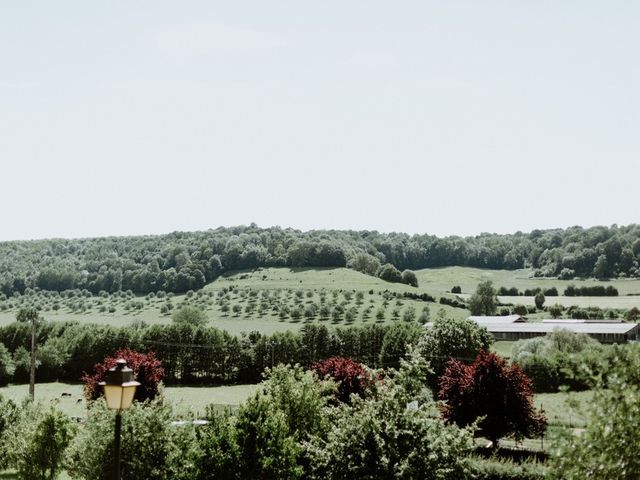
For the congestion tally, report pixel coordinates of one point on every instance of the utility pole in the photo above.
(32, 314)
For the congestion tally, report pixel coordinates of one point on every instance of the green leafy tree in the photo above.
(498, 395)
(10, 414)
(272, 424)
(38, 442)
(484, 301)
(409, 278)
(365, 263)
(393, 435)
(152, 447)
(27, 314)
(7, 366)
(190, 315)
(453, 338)
(389, 273)
(601, 268)
(409, 314)
(539, 300)
(607, 448)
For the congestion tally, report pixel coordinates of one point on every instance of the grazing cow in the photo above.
(65, 394)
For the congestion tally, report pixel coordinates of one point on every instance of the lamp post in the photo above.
(119, 390)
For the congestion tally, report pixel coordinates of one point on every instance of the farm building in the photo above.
(497, 319)
(603, 331)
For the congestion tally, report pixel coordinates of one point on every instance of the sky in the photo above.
(443, 117)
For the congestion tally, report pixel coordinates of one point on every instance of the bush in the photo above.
(607, 448)
(9, 417)
(152, 448)
(380, 437)
(147, 370)
(494, 469)
(7, 366)
(351, 377)
(38, 442)
(389, 273)
(456, 289)
(409, 278)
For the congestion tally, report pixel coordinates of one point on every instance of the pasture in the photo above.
(442, 280)
(68, 396)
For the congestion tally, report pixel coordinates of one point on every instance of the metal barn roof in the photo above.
(497, 319)
(539, 327)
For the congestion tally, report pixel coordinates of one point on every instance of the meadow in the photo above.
(69, 399)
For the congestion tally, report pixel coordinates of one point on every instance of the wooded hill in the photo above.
(182, 261)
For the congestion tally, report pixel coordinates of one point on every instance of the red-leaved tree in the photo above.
(492, 388)
(351, 376)
(147, 369)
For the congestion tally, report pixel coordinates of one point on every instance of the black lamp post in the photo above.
(119, 390)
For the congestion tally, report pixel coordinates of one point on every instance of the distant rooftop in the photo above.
(502, 319)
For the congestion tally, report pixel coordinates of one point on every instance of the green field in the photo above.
(558, 411)
(442, 280)
(193, 399)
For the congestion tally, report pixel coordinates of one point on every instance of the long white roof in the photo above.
(539, 327)
(482, 320)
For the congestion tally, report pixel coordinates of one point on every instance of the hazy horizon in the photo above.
(447, 118)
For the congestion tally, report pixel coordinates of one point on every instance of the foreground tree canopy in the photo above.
(499, 395)
(183, 261)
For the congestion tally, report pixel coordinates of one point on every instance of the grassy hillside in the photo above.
(243, 301)
(258, 297)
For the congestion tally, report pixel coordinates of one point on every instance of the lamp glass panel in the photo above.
(128, 393)
(113, 394)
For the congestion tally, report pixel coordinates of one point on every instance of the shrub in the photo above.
(9, 417)
(380, 437)
(607, 448)
(456, 289)
(38, 442)
(151, 446)
(389, 273)
(409, 278)
(147, 370)
(7, 366)
(494, 469)
(351, 377)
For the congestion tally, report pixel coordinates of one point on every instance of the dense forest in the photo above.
(182, 261)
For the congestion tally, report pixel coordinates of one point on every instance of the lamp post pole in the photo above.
(119, 390)
(116, 446)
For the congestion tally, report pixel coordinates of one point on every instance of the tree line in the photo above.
(182, 261)
(195, 354)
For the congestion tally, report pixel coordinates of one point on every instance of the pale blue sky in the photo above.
(448, 117)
